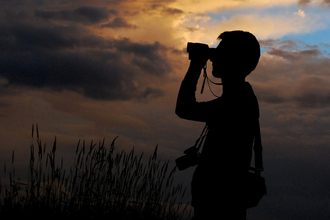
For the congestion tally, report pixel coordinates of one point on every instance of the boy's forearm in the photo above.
(194, 72)
(186, 97)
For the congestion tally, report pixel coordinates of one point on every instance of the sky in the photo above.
(106, 68)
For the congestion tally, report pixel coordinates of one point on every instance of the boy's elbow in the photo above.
(179, 112)
(183, 114)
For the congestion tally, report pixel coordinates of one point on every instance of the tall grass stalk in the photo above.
(100, 183)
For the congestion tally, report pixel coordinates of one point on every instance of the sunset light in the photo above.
(105, 68)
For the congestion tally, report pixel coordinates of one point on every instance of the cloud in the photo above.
(263, 26)
(307, 2)
(85, 15)
(62, 57)
(291, 72)
(118, 23)
(313, 92)
(304, 2)
(204, 6)
(300, 13)
(172, 11)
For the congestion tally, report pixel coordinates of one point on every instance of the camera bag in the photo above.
(255, 186)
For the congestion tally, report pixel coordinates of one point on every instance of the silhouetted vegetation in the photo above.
(100, 183)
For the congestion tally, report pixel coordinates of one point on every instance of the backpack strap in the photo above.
(199, 141)
(201, 138)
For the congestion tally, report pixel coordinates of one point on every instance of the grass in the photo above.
(100, 184)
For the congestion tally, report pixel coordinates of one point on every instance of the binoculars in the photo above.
(200, 51)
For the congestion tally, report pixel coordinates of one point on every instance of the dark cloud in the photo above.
(313, 92)
(192, 29)
(60, 3)
(293, 72)
(269, 95)
(85, 15)
(161, 6)
(303, 2)
(118, 23)
(285, 45)
(173, 11)
(73, 58)
(306, 2)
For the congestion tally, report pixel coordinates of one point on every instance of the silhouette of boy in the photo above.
(219, 179)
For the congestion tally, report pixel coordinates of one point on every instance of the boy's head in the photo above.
(237, 55)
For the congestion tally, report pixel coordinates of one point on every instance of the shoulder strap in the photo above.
(199, 141)
(201, 138)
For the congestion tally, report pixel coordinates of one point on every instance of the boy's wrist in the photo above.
(197, 64)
